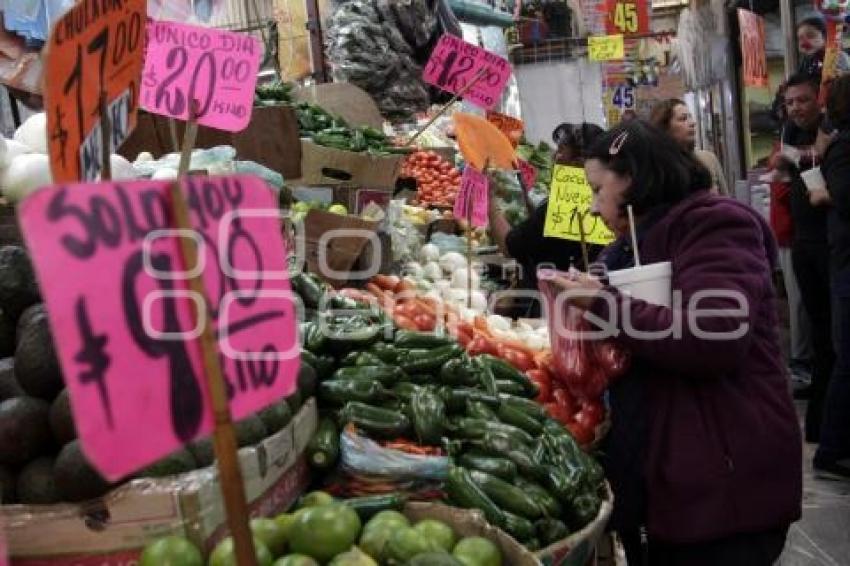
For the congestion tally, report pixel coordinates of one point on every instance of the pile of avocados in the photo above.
(41, 461)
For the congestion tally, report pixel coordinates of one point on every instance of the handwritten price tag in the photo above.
(474, 193)
(606, 47)
(217, 68)
(90, 53)
(570, 198)
(455, 63)
(528, 173)
(120, 308)
(513, 128)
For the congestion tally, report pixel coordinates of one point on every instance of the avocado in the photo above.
(36, 483)
(7, 486)
(203, 451)
(36, 365)
(307, 380)
(76, 479)
(174, 464)
(18, 288)
(276, 416)
(9, 386)
(24, 430)
(7, 335)
(62, 420)
(250, 431)
(28, 317)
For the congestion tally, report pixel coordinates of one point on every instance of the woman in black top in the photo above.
(526, 242)
(833, 455)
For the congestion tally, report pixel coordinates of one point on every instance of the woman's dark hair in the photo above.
(579, 137)
(814, 22)
(838, 103)
(662, 173)
(662, 113)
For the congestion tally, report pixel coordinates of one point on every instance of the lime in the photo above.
(376, 535)
(405, 543)
(353, 557)
(224, 554)
(316, 499)
(325, 531)
(284, 521)
(296, 560)
(271, 534)
(389, 515)
(438, 532)
(171, 551)
(477, 551)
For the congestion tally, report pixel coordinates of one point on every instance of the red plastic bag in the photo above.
(585, 364)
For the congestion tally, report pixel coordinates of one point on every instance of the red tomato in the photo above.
(463, 338)
(404, 322)
(517, 358)
(564, 399)
(558, 413)
(544, 385)
(583, 434)
(481, 345)
(425, 322)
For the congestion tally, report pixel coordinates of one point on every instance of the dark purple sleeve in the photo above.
(720, 251)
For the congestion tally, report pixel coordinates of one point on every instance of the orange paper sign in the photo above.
(510, 126)
(752, 49)
(95, 49)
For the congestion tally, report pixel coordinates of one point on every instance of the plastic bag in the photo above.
(585, 365)
(363, 456)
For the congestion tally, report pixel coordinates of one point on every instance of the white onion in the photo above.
(460, 278)
(25, 174)
(121, 168)
(432, 271)
(429, 252)
(414, 269)
(496, 322)
(13, 150)
(33, 133)
(452, 261)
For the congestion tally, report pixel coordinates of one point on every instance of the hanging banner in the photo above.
(454, 64)
(217, 68)
(120, 308)
(753, 49)
(92, 53)
(606, 47)
(570, 198)
(628, 17)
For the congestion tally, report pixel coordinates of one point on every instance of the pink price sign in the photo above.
(528, 173)
(119, 305)
(474, 193)
(454, 64)
(216, 68)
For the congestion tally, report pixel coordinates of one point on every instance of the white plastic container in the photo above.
(814, 180)
(651, 283)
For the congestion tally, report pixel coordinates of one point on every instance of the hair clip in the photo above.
(618, 143)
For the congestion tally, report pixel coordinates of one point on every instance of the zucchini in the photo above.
(428, 412)
(499, 467)
(412, 340)
(532, 408)
(503, 370)
(548, 504)
(368, 506)
(385, 375)
(465, 493)
(338, 393)
(514, 416)
(506, 496)
(374, 421)
(428, 361)
(323, 448)
(518, 527)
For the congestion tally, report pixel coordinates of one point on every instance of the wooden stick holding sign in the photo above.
(224, 435)
(481, 74)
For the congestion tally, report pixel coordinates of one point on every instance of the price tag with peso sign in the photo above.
(473, 199)
(570, 198)
(94, 56)
(606, 47)
(109, 263)
(455, 64)
(216, 68)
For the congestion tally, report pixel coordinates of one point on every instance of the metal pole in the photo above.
(788, 22)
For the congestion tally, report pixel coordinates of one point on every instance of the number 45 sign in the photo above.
(628, 17)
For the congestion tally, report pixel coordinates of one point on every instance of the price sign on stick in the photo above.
(570, 198)
(120, 307)
(217, 68)
(93, 55)
(474, 192)
(513, 128)
(628, 17)
(454, 64)
(606, 47)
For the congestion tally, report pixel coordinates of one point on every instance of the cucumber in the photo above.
(338, 393)
(385, 375)
(503, 370)
(499, 467)
(410, 339)
(518, 527)
(506, 496)
(511, 415)
(532, 408)
(382, 423)
(548, 504)
(464, 492)
(323, 448)
(370, 505)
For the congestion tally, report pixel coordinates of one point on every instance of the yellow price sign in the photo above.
(569, 203)
(606, 47)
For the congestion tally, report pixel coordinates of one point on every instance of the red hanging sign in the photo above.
(627, 17)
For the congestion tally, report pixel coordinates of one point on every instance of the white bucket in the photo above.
(651, 283)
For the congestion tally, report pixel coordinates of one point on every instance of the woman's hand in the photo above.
(583, 288)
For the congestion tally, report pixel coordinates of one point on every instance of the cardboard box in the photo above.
(112, 531)
(335, 167)
(271, 139)
(334, 258)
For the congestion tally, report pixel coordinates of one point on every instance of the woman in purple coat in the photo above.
(705, 452)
